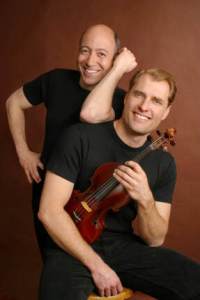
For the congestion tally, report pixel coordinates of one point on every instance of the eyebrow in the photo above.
(138, 91)
(97, 49)
(142, 93)
(159, 99)
(101, 49)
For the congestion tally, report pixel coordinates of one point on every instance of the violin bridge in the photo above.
(86, 206)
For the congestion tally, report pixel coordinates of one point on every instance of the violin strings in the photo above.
(98, 193)
(92, 199)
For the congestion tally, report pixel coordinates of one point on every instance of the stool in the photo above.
(125, 294)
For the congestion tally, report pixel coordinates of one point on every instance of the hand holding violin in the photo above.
(134, 180)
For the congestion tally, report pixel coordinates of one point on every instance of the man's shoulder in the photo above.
(66, 73)
(55, 75)
(164, 159)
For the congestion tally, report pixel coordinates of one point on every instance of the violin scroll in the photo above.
(167, 137)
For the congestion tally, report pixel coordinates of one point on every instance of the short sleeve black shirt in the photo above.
(85, 147)
(62, 96)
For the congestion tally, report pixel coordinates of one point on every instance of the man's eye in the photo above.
(157, 101)
(101, 54)
(138, 94)
(83, 51)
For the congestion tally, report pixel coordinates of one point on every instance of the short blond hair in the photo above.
(157, 75)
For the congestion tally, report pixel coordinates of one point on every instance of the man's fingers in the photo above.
(32, 173)
(101, 292)
(111, 291)
(126, 170)
(122, 176)
(30, 180)
(114, 291)
(119, 287)
(40, 165)
(133, 165)
(107, 292)
(126, 174)
(30, 162)
(35, 174)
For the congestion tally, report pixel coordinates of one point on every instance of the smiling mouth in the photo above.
(89, 72)
(141, 116)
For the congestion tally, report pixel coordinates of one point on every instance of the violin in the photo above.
(88, 209)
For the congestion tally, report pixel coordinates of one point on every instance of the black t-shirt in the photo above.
(84, 147)
(62, 96)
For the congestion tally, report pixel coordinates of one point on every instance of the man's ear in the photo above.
(166, 113)
(125, 98)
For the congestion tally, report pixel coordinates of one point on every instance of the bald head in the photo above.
(102, 30)
(98, 47)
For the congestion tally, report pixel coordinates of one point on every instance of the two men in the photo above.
(120, 257)
(64, 93)
(72, 267)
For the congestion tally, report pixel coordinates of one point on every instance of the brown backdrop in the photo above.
(39, 35)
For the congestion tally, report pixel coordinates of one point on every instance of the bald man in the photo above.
(65, 95)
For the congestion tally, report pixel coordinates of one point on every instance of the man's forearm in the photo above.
(98, 105)
(64, 232)
(152, 216)
(30, 161)
(152, 226)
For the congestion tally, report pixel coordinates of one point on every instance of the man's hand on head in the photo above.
(125, 61)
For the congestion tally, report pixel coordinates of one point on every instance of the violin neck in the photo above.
(142, 154)
(106, 188)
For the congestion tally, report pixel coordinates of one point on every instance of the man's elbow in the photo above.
(86, 116)
(9, 104)
(44, 216)
(12, 104)
(157, 241)
(17, 102)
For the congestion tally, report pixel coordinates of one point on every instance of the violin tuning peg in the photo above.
(173, 143)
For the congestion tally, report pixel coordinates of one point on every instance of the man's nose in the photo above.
(144, 104)
(91, 60)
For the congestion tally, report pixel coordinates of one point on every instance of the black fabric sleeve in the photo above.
(36, 90)
(167, 179)
(67, 157)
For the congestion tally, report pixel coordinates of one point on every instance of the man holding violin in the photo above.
(119, 257)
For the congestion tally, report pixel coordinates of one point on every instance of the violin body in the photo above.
(88, 209)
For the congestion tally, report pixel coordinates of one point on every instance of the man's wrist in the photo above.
(22, 148)
(94, 263)
(147, 204)
(117, 71)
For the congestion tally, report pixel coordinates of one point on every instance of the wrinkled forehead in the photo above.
(151, 87)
